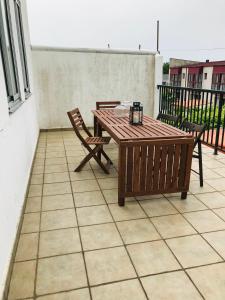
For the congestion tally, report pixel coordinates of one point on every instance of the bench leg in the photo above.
(121, 201)
(184, 195)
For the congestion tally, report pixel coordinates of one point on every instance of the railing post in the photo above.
(218, 124)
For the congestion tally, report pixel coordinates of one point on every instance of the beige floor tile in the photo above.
(58, 219)
(81, 294)
(78, 152)
(108, 265)
(56, 177)
(35, 190)
(38, 169)
(100, 236)
(88, 198)
(60, 273)
(56, 188)
(36, 179)
(33, 204)
(71, 167)
(39, 161)
(85, 186)
(220, 212)
(75, 159)
(152, 257)
(158, 207)
(212, 200)
(216, 240)
(210, 280)
(22, 280)
(220, 171)
(54, 154)
(187, 205)
(136, 231)
(172, 226)
(195, 188)
(57, 202)
(99, 173)
(111, 196)
(55, 161)
(204, 221)
(193, 251)
(218, 184)
(170, 286)
(82, 175)
(27, 247)
(93, 215)
(131, 210)
(31, 223)
(210, 174)
(58, 242)
(124, 290)
(56, 168)
(212, 164)
(108, 183)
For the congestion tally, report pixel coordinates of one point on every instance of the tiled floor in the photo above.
(76, 243)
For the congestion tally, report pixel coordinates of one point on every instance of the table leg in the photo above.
(184, 195)
(98, 133)
(121, 175)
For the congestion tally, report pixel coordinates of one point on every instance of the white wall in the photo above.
(69, 78)
(18, 137)
(207, 83)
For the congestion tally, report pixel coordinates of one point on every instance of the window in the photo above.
(195, 81)
(9, 57)
(218, 82)
(183, 75)
(175, 79)
(19, 23)
(205, 75)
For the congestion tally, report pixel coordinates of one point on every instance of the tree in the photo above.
(166, 67)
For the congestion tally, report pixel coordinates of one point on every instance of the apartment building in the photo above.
(202, 75)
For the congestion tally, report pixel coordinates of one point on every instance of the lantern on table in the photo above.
(136, 114)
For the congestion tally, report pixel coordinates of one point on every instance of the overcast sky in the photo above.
(189, 29)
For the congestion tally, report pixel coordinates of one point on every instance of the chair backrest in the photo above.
(106, 104)
(78, 123)
(169, 119)
(196, 130)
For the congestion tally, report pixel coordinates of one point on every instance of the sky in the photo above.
(189, 29)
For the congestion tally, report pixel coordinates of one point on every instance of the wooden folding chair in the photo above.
(169, 119)
(104, 105)
(78, 123)
(197, 131)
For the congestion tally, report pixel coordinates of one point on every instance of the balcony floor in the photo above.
(76, 241)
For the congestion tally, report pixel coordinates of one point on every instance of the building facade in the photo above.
(201, 75)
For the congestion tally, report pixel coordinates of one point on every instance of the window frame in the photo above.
(22, 47)
(11, 75)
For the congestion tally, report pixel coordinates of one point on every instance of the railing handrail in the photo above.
(191, 89)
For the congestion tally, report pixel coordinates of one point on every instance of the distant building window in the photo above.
(183, 75)
(218, 82)
(205, 76)
(195, 81)
(175, 79)
(9, 57)
(19, 23)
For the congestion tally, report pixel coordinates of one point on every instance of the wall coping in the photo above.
(94, 50)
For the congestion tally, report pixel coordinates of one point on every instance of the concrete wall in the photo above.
(207, 83)
(18, 137)
(69, 78)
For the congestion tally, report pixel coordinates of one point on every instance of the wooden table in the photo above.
(154, 158)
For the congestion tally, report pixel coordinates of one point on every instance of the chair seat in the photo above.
(94, 140)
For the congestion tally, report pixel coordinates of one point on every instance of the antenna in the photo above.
(158, 36)
(139, 47)
(108, 46)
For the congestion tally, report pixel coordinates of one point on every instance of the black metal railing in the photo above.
(197, 106)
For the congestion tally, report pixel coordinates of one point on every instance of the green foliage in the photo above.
(166, 67)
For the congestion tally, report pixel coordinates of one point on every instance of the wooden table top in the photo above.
(120, 129)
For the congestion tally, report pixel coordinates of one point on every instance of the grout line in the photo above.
(84, 261)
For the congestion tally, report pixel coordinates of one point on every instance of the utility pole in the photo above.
(158, 36)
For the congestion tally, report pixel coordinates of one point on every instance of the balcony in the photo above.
(75, 241)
